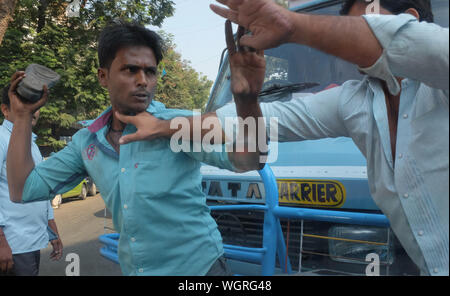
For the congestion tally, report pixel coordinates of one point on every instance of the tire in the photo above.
(84, 192)
(56, 201)
(92, 190)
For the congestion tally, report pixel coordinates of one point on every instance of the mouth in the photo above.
(141, 96)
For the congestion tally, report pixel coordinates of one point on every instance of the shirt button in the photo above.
(133, 239)
(125, 206)
(406, 195)
(435, 270)
(420, 233)
(141, 270)
(400, 156)
(405, 116)
(122, 170)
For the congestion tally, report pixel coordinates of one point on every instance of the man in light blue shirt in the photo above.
(398, 115)
(153, 192)
(23, 228)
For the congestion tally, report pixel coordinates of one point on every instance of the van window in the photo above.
(291, 64)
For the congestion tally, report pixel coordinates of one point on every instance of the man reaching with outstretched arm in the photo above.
(397, 115)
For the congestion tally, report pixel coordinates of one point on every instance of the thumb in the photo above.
(124, 118)
(250, 41)
(130, 138)
(43, 100)
(258, 42)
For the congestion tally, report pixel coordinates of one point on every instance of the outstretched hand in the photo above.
(271, 25)
(247, 66)
(146, 124)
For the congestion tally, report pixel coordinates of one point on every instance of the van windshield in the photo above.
(291, 64)
(296, 68)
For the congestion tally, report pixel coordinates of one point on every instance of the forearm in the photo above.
(346, 37)
(251, 141)
(19, 159)
(52, 225)
(3, 241)
(198, 128)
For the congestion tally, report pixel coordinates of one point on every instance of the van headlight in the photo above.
(352, 244)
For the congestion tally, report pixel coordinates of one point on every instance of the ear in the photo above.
(5, 110)
(102, 74)
(413, 12)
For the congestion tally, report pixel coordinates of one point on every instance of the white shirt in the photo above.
(414, 195)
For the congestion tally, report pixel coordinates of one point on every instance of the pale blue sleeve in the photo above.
(411, 49)
(303, 118)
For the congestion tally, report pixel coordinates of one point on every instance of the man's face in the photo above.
(131, 79)
(10, 116)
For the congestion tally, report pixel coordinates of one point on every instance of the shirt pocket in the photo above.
(156, 150)
(153, 178)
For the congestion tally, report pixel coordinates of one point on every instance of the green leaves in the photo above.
(182, 87)
(68, 45)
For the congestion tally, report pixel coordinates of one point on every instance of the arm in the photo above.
(384, 46)
(247, 76)
(56, 244)
(411, 49)
(349, 38)
(6, 259)
(19, 160)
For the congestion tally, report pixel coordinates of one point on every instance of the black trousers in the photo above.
(26, 264)
(220, 268)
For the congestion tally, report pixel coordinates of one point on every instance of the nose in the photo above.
(141, 79)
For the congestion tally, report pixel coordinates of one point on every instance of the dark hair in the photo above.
(423, 7)
(5, 97)
(120, 34)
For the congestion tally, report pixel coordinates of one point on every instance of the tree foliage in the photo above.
(181, 86)
(41, 32)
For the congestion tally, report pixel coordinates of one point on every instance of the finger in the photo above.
(36, 106)
(131, 138)
(15, 80)
(125, 118)
(225, 13)
(253, 42)
(16, 75)
(10, 265)
(233, 4)
(240, 33)
(59, 255)
(231, 46)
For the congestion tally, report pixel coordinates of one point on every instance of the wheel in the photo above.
(84, 192)
(92, 190)
(56, 201)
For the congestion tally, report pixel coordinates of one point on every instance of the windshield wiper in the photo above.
(296, 87)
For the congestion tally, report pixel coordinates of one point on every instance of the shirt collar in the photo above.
(154, 108)
(9, 126)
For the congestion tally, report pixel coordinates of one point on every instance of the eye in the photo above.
(150, 71)
(132, 69)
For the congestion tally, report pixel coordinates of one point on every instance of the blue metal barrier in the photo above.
(111, 244)
(273, 240)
